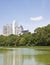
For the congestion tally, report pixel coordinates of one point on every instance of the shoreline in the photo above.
(35, 47)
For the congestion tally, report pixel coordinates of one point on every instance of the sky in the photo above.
(28, 13)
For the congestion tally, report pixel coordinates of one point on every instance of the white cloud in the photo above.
(39, 18)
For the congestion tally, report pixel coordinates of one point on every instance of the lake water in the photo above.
(24, 56)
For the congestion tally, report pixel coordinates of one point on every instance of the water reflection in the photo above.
(24, 56)
(12, 58)
(19, 59)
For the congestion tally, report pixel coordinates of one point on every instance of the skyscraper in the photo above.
(19, 30)
(14, 26)
(13, 29)
(7, 29)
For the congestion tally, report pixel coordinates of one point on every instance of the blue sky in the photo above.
(29, 13)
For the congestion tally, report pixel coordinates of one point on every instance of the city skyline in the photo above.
(28, 13)
(14, 29)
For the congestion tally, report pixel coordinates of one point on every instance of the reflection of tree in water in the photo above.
(2, 50)
(16, 57)
(19, 57)
(43, 58)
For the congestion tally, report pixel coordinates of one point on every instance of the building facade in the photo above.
(13, 29)
(19, 30)
(7, 29)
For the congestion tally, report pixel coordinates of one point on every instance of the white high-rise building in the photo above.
(7, 29)
(16, 30)
(13, 29)
(14, 26)
(19, 30)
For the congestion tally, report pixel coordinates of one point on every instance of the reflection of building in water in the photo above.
(20, 57)
(8, 59)
(11, 58)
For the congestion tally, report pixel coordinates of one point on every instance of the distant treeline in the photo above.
(40, 37)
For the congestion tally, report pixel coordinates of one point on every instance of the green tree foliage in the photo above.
(40, 37)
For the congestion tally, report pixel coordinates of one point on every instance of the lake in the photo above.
(25, 56)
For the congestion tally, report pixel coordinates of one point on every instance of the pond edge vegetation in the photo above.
(40, 37)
